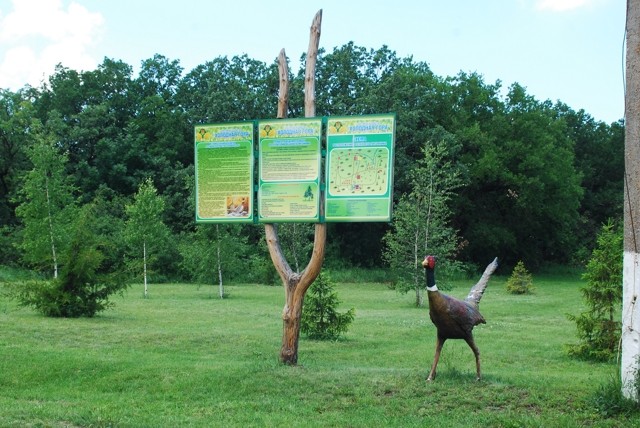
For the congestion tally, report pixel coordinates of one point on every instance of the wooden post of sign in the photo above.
(297, 284)
(630, 364)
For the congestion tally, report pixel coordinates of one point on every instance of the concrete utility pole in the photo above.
(631, 265)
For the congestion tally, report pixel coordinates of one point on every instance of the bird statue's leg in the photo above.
(439, 345)
(476, 352)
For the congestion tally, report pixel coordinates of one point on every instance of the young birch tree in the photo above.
(422, 217)
(46, 205)
(145, 231)
(212, 252)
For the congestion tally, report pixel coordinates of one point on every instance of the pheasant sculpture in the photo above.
(454, 318)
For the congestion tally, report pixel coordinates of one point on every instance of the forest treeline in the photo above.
(538, 178)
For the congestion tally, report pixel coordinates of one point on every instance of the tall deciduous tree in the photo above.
(411, 91)
(145, 230)
(226, 89)
(16, 111)
(523, 192)
(47, 204)
(599, 159)
(92, 113)
(15, 119)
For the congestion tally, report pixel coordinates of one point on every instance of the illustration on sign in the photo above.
(224, 172)
(289, 165)
(359, 168)
(359, 171)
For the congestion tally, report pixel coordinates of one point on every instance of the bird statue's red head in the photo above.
(429, 262)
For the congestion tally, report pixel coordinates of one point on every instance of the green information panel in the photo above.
(359, 168)
(289, 159)
(224, 172)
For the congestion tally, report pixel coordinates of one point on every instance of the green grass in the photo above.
(183, 357)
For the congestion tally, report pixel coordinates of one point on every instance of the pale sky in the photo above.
(567, 50)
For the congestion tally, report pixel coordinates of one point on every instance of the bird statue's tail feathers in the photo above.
(477, 290)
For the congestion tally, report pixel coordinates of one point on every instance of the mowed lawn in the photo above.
(183, 357)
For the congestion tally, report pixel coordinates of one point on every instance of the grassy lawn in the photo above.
(183, 357)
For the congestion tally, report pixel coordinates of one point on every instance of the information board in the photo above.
(359, 168)
(289, 153)
(224, 172)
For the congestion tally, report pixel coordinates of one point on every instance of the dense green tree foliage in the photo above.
(599, 159)
(524, 193)
(540, 177)
(16, 116)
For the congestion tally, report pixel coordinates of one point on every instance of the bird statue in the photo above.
(455, 318)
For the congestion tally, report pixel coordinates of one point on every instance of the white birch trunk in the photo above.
(220, 286)
(416, 260)
(294, 249)
(144, 264)
(426, 231)
(52, 240)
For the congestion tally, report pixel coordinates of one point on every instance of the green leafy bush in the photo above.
(320, 319)
(520, 281)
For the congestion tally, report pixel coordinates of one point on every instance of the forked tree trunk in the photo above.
(297, 284)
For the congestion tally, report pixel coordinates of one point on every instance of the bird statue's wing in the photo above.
(477, 290)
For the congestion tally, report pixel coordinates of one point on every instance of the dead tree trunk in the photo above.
(297, 284)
